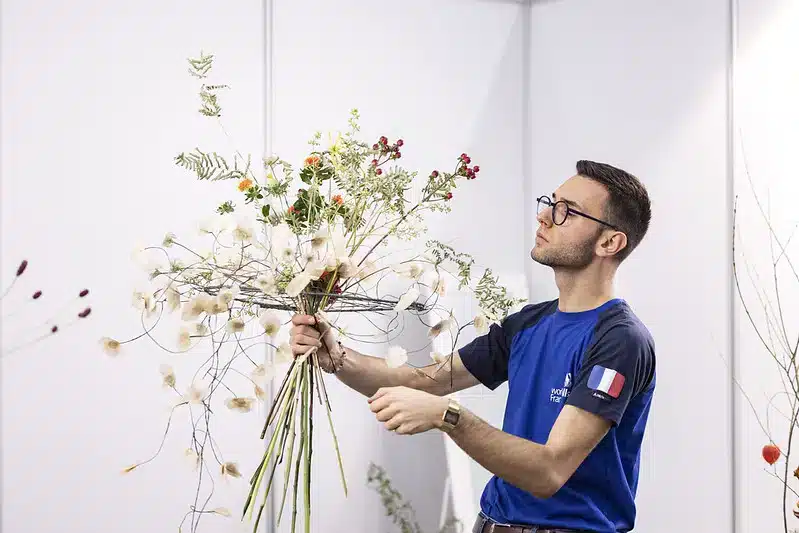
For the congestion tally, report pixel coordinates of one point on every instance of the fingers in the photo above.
(303, 320)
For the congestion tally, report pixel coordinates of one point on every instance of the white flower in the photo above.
(410, 270)
(320, 238)
(192, 458)
(195, 393)
(481, 324)
(200, 329)
(228, 294)
(243, 230)
(440, 286)
(439, 328)
(144, 301)
(262, 373)
(282, 246)
(168, 375)
(259, 393)
(284, 354)
(235, 325)
(196, 306)
(396, 357)
(297, 284)
(347, 268)
(314, 270)
(230, 469)
(339, 243)
(407, 299)
(184, 338)
(110, 346)
(169, 240)
(266, 282)
(172, 299)
(270, 321)
(242, 405)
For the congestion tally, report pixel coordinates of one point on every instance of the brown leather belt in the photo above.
(484, 524)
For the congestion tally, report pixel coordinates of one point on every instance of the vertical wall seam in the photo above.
(268, 103)
(732, 35)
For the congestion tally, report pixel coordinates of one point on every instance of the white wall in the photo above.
(767, 133)
(641, 84)
(96, 101)
(88, 136)
(446, 77)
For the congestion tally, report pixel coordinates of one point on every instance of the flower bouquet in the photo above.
(316, 240)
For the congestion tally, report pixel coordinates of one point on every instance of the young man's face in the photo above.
(572, 244)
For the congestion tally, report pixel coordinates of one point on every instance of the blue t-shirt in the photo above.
(602, 361)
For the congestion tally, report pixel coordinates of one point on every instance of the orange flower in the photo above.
(312, 160)
(245, 184)
(338, 199)
(291, 209)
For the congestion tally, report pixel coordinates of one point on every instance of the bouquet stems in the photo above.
(294, 400)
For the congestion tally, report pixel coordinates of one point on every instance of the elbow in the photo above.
(547, 485)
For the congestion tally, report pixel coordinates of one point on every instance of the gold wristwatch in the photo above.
(451, 416)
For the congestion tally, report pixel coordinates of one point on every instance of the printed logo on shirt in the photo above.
(559, 395)
(606, 382)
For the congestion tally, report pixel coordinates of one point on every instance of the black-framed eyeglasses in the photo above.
(561, 211)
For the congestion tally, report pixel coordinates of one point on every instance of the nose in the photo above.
(544, 217)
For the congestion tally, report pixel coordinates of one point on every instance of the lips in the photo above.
(539, 236)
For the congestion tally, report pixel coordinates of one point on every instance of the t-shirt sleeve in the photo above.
(616, 368)
(486, 357)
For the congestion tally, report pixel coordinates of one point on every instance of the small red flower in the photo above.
(374, 162)
(291, 210)
(338, 199)
(476, 169)
(379, 171)
(383, 140)
(400, 142)
(375, 146)
(448, 196)
(434, 174)
(312, 160)
(771, 453)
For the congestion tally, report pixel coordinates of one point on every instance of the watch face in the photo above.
(450, 417)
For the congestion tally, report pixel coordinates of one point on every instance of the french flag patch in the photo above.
(606, 380)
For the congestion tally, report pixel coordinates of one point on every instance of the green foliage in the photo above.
(493, 298)
(200, 66)
(227, 207)
(210, 166)
(400, 511)
(442, 252)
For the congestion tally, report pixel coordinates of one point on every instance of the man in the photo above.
(581, 374)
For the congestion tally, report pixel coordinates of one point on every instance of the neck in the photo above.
(581, 290)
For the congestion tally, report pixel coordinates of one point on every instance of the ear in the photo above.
(610, 243)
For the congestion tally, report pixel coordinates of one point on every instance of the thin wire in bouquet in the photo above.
(317, 240)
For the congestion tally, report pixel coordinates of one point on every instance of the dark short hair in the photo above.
(628, 206)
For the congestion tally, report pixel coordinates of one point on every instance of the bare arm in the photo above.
(540, 469)
(365, 373)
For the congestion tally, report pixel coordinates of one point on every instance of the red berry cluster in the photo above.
(386, 149)
(470, 173)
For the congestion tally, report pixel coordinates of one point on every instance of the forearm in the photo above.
(366, 374)
(521, 462)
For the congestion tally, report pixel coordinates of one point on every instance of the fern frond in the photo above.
(210, 166)
(199, 67)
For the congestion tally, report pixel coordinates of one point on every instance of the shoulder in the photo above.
(623, 342)
(527, 316)
(619, 324)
